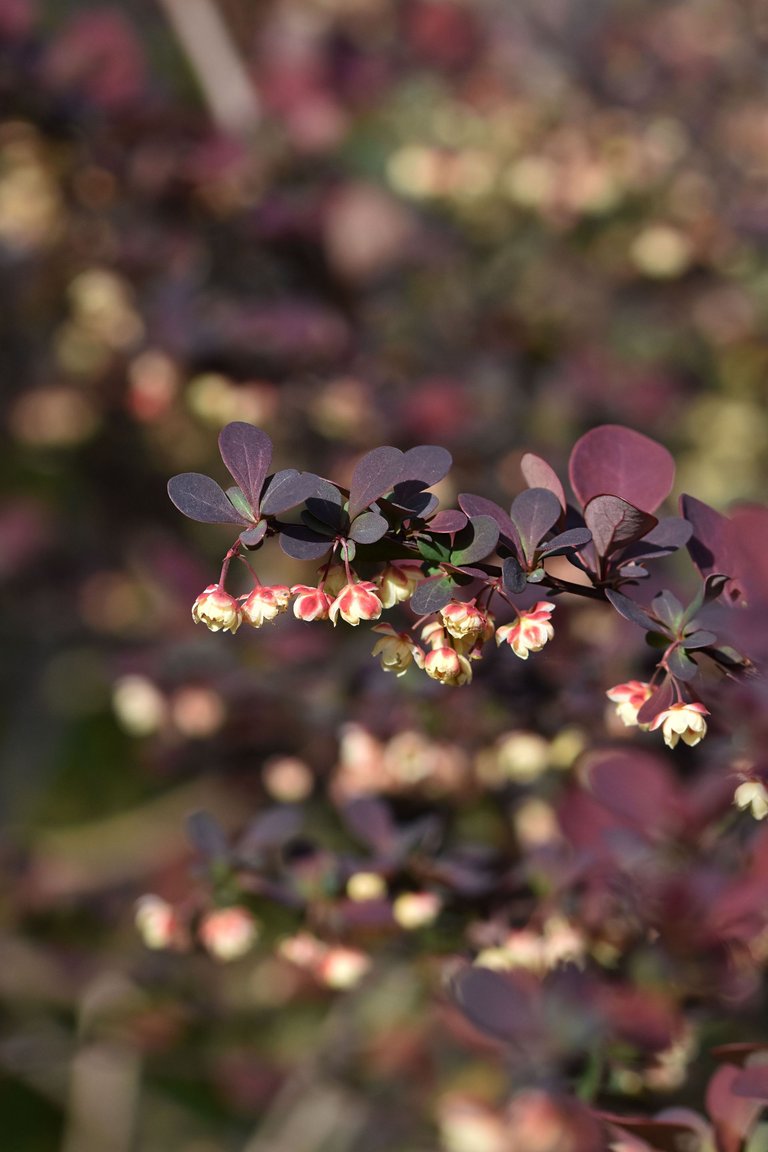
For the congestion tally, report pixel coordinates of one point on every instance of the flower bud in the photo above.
(158, 923)
(310, 603)
(464, 621)
(398, 582)
(217, 610)
(265, 604)
(356, 602)
(629, 699)
(682, 722)
(228, 933)
(530, 632)
(448, 667)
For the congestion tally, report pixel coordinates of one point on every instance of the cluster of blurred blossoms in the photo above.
(450, 639)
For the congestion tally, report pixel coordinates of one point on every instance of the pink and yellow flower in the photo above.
(228, 933)
(218, 610)
(265, 604)
(159, 924)
(530, 632)
(447, 666)
(395, 650)
(310, 603)
(629, 699)
(464, 621)
(682, 722)
(356, 602)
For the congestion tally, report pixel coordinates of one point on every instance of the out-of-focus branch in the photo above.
(213, 57)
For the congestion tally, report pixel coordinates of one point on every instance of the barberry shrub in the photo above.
(586, 952)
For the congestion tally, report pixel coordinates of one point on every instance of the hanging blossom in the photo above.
(629, 699)
(530, 632)
(311, 603)
(265, 603)
(682, 722)
(356, 602)
(218, 610)
(396, 650)
(398, 582)
(752, 794)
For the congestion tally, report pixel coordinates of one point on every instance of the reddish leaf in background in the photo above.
(506, 1005)
(621, 462)
(635, 786)
(538, 474)
(374, 475)
(712, 545)
(733, 1116)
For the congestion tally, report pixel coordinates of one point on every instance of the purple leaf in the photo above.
(733, 1114)
(681, 666)
(618, 461)
(327, 513)
(662, 698)
(374, 476)
(253, 536)
(668, 609)
(432, 595)
(247, 453)
(368, 528)
(700, 638)
(513, 576)
(573, 539)
(479, 506)
(482, 542)
(201, 498)
(285, 490)
(302, 543)
(269, 832)
(370, 821)
(752, 1081)
(207, 836)
(712, 547)
(533, 513)
(631, 611)
(613, 523)
(450, 520)
(635, 786)
(506, 1005)
(409, 496)
(427, 463)
(538, 474)
(669, 534)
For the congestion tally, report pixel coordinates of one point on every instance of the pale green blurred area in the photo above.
(511, 223)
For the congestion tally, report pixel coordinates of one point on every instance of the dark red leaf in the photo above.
(613, 523)
(712, 546)
(732, 1115)
(481, 543)
(669, 534)
(300, 542)
(673, 1135)
(681, 666)
(661, 699)
(374, 476)
(207, 836)
(286, 489)
(668, 609)
(411, 497)
(513, 576)
(618, 461)
(631, 611)
(253, 536)
(432, 595)
(572, 540)
(370, 821)
(247, 453)
(448, 521)
(533, 513)
(427, 463)
(752, 1081)
(479, 506)
(201, 498)
(368, 528)
(635, 786)
(539, 474)
(506, 1005)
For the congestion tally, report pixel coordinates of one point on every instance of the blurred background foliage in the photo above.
(351, 222)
